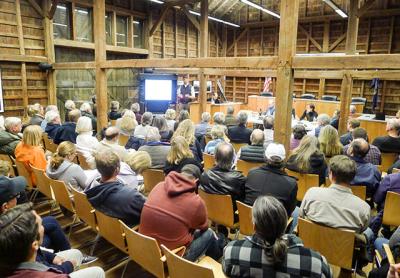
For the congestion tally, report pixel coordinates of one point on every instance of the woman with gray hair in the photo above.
(269, 252)
(157, 150)
(135, 107)
(69, 106)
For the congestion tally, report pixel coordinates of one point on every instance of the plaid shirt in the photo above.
(246, 258)
(373, 156)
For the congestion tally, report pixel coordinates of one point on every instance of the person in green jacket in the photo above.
(11, 136)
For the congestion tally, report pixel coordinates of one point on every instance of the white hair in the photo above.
(51, 108)
(323, 119)
(153, 134)
(51, 116)
(129, 113)
(85, 107)
(11, 121)
(219, 118)
(69, 104)
(353, 109)
(84, 124)
(205, 117)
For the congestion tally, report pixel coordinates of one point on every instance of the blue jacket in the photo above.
(210, 147)
(47, 258)
(117, 200)
(51, 130)
(66, 133)
(367, 174)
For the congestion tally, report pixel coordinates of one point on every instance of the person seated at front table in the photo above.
(269, 252)
(240, 133)
(255, 151)
(309, 114)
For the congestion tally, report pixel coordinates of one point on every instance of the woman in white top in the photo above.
(141, 130)
(86, 143)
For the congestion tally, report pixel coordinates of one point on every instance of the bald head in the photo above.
(257, 137)
(224, 154)
(359, 148)
(112, 133)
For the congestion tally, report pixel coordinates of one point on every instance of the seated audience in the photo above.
(268, 124)
(391, 142)
(161, 124)
(170, 116)
(309, 114)
(186, 130)
(269, 252)
(352, 111)
(329, 142)
(30, 151)
(11, 136)
(322, 121)
(110, 191)
(127, 123)
(221, 179)
(69, 106)
(299, 131)
(48, 108)
(110, 141)
(114, 114)
(176, 216)
(135, 107)
(219, 118)
(374, 154)
(53, 120)
(86, 111)
(352, 124)
(61, 167)
(204, 126)
(255, 151)
(157, 150)
(141, 130)
(37, 112)
(336, 206)
(179, 155)
(230, 119)
(137, 162)
(86, 143)
(307, 158)
(270, 179)
(67, 131)
(183, 115)
(21, 236)
(335, 119)
(217, 136)
(367, 174)
(240, 133)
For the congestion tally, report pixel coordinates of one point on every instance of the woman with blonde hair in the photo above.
(186, 129)
(127, 123)
(308, 158)
(170, 116)
(179, 156)
(218, 136)
(61, 167)
(30, 151)
(329, 141)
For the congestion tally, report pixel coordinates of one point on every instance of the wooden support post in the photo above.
(352, 28)
(49, 49)
(285, 76)
(100, 57)
(321, 88)
(147, 38)
(203, 53)
(24, 81)
(345, 101)
(325, 43)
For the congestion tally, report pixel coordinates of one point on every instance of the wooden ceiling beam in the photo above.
(223, 4)
(238, 38)
(311, 39)
(368, 5)
(191, 18)
(160, 20)
(36, 7)
(337, 42)
(52, 10)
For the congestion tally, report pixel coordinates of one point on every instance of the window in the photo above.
(84, 24)
(137, 33)
(62, 22)
(122, 31)
(109, 39)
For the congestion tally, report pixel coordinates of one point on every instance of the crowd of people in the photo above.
(173, 213)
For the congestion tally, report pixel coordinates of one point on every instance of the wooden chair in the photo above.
(84, 209)
(178, 267)
(110, 229)
(62, 194)
(219, 209)
(245, 166)
(304, 182)
(43, 183)
(337, 246)
(395, 170)
(360, 191)
(123, 139)
(113, 122)
(327, 182)
(245, 219)
(144, 251)
(209, 161)
(389, 254)
(391, 216)
(387, 160)
(152, 177)
(8, 159)
(82, 161)
(49, 145)
(23, 171)
(207, 139)
(237, 146)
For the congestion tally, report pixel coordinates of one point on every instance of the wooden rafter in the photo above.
(36, 7)
(368, 5)
(222, 6)
(53, 8)
(227, 9)
(160, 20)
(238, 38)
(337, 42)
(311, 39)
(191, 18)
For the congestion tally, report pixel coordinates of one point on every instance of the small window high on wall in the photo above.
(122, 30)
(137, 33)
(84, 24)
(62, 22)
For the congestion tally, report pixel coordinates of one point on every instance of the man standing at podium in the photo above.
(185, 94)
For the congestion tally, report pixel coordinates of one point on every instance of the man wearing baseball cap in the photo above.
(10, 189)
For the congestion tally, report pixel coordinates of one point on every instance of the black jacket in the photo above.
(93, 118)
(51, 130)
(117, 200)
(114, 115)
(178, 167)
(317, 164)
(309, 116)
(239, 134)
(274, 182)
(346, 139)
(224, 182)
(66, 133)
(197, 151)
(252, 153)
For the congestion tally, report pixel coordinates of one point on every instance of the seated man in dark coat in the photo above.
(255, 151)
(67, 131)
(53, 123)
(240, 133)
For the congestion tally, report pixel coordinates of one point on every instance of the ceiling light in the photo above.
(157, 1)
(254, 5)
(216, 19)
(335, 8)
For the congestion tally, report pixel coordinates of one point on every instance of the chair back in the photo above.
(61, 194)
(337, 246)
(113, 122)
(329, 98)
(82, 161)
(8, 159)
(360, 191)
(219, 208)
(307, 96)
(387, 160)
(144, 251)
(123, 139)
(391, 216)
(111, 230)
(245, 218)
(152, 177)
(237, 146)
(358, 100)
(23, 171)
(245, 166)
(178, 267)
(43, 183)
(304, 182)
(207, 139)
(49, 145)
(209, 161)
(83, 208)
